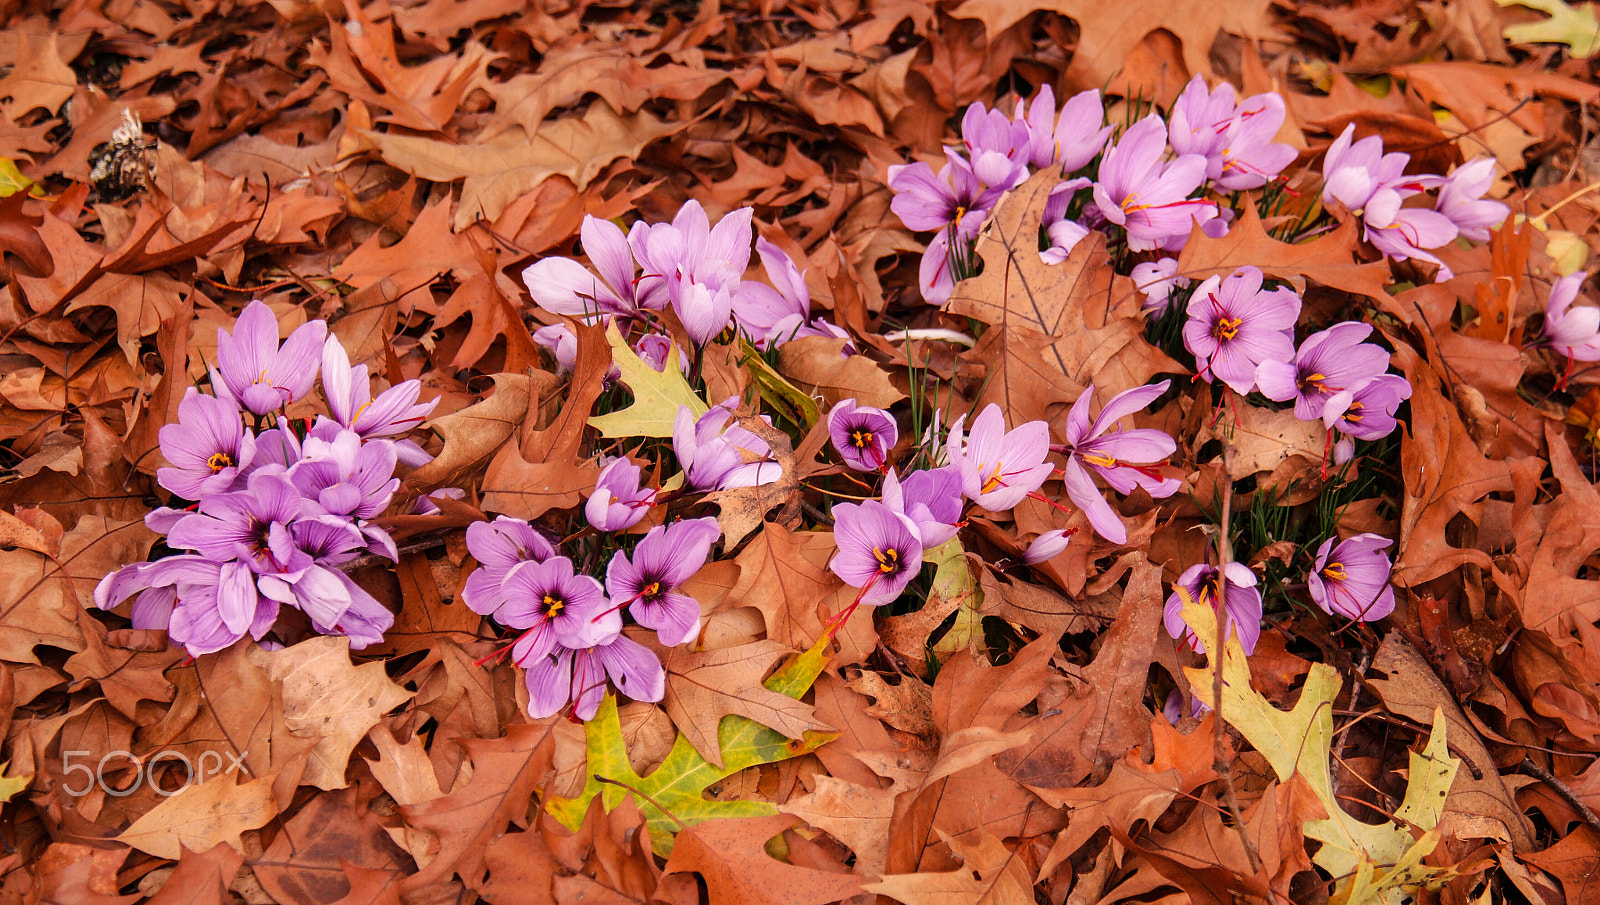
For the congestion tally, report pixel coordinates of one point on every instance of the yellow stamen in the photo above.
(1226, 328)
(994, 480)
(888, 560)
(1353, 414)
(653, 589)
(1334, 571)
(553, 605)
(219, 461)
(861, 439)
(1102, 461)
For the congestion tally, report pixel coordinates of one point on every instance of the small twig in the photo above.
(1218, 653)
(373, 559)
(1560, 788)
(653, 803)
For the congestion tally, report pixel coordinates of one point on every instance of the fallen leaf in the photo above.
(731, 856)
(201, 816)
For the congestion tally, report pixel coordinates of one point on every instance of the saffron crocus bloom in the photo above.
(1070, 141)
(1461, 199)
(1157, 280)
(999, 467)
(1327, 363)
(1047, 546)
(647, 585)
(553, 604)
(1570, 331)
(349, 392)
(1406, 232)
(618, 502)
(1234, 326)
(863, 435)
(563, 286)
(346, 476)
(1351, 580)
(1354, 171)
(954, 205)
(930, 498)
(879, 550)
(1138, 191)
(253, 371)
(208, 447)
(997, 146)
(579, 676)
(718, 455)
(696, 265)
(1367, 412)
(1235, 140)
(499, 546)
(251, 525)
(1243, 602)
(773, 315)
(1121, 457)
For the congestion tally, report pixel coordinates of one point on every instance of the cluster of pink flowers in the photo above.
(571, 637)
(690, 266)
(1148, 189)
(881, 541)
(1373, 185)
(276, 510)
(1242, 335)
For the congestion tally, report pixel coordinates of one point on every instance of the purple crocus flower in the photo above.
(930, 498)
(998, 468)
(1070, 141)
(998, 147)
(618, 502)
(1047, 546)
(1235, 140)
(1243, 602)
(656, 350)
(879, 550)
(250, 525)
(579, 676)
(715, 454)
(1328, 362)
(1354, 171)
(647, 585)
(499, 546)
(1367, 412)
(349, 392)
(561, 343)
(863, 435)
(1157, 280)
(773, 315)
(1461, 199)
(188, 587)
(254, 372)
(696, 265)
(1351, 580)
(1234, 326)
(563, 286)
(953, 205)
(208, 447)
(1406, 232)
(323, 593)
(553, 605)
(346, 476)
(1149, 198)
(1122, 458)
(1570, 331)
